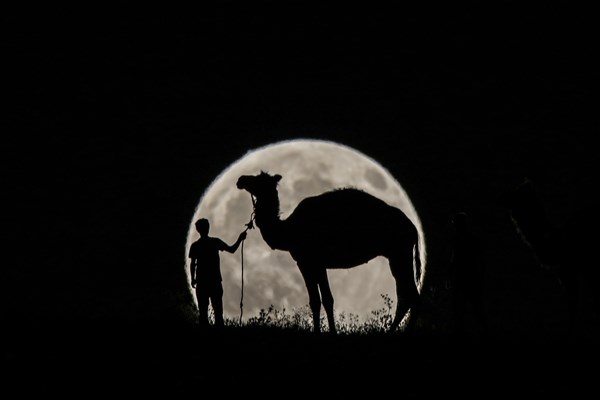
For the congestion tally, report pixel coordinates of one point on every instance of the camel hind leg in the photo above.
(407, 293)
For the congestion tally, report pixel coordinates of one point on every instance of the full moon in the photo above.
(271, 277)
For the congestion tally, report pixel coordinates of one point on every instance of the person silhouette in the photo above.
(205, 271)
(467, 275)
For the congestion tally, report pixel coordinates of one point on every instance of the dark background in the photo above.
(117, 124)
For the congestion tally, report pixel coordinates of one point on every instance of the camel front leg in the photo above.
(314, 299)
(327, 299)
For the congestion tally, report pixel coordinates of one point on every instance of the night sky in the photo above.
(117, 125)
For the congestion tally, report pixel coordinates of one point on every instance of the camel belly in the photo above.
(334, 255)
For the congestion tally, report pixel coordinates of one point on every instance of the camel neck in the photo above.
(268, 221)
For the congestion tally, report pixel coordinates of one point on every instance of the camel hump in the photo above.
(349, 197)
(348, 207)
(341, 200)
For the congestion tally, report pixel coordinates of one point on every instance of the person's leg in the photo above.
(217, 304)
(203, 299)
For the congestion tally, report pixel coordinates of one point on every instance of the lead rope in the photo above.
(249, 225)
(242, 296)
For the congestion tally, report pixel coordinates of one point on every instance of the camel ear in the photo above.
(277, 177)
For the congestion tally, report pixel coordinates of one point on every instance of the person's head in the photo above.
(202, 226)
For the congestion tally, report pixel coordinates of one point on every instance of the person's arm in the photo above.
(234, 247)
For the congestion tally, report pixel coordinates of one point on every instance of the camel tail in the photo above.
(417, 263)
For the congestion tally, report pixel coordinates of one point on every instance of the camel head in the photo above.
(259, 184)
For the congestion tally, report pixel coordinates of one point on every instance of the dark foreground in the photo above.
(171, 360)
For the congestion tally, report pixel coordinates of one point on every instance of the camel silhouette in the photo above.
(567, 248)
(339, 229)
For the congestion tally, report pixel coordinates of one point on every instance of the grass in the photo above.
(300, 319)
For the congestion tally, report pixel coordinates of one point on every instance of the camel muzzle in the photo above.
(240, 183)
